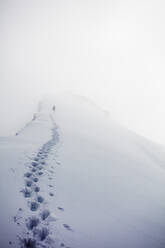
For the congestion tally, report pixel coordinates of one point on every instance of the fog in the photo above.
(110, 51)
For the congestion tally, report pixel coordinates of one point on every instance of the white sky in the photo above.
(111, 51)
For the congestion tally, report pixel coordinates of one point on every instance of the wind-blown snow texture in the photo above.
(74, 178)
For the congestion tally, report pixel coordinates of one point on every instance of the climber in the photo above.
(53, 108)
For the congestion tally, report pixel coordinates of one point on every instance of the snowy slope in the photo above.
(99, 184)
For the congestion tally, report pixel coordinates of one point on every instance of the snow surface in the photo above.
(102, 185)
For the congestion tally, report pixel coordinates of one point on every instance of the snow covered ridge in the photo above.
(74, 178)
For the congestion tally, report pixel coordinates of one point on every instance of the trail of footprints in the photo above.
(38, 226)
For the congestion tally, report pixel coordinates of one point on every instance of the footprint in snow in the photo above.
(34, 164)
(28, 174)
(32, 222)
(40, 199)
(35, 179)
(29, 183)
(41, 234)
(67, 227)
(27, 193)
(34, 206)
(28, 243)
(61, 209)
(51, 194)
(36, 158)
(45, 213)
(40, 173)
(36, 189)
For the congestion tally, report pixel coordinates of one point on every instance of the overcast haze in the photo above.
(110, 51)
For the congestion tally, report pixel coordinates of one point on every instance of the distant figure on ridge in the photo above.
(53, 108)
